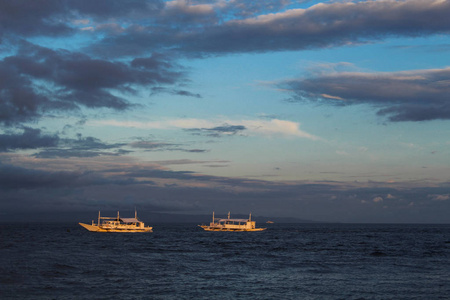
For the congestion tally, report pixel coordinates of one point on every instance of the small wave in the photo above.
(378, 253)
(63, 266)
(52, 274)
(11, 278)
(7, 246)
(89, 272)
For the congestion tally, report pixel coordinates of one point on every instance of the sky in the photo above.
(331, 111)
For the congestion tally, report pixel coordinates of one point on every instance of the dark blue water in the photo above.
(180, 261)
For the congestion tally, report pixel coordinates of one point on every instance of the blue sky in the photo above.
(322, 110)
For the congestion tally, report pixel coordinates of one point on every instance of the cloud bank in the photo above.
(211, 31)
(133, 46)
(39, 79)
(418, 95)
(38, 191)
(29, 139)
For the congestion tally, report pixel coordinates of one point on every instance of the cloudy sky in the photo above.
(322, 110)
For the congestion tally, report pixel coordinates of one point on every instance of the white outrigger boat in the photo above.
(117, 224)
(231, 224)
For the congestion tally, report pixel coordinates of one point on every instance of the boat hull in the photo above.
(90, 227)
(209, 228)
(94, 228)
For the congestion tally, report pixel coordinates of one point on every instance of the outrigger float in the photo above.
(117, 224)
(231, 224)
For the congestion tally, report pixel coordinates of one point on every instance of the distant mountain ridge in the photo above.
(147, 217)
(182, 218)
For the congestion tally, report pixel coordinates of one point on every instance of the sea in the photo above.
(181, 261)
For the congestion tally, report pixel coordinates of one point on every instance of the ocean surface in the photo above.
(181, 261)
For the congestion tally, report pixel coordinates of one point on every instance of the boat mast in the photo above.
(213, 217)
(98, 224)
(228, 215)
(250, 217)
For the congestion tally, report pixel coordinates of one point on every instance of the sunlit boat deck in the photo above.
(229, 224)
(117, 224)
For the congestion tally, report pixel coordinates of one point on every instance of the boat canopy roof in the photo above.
(130, 220)
(233, 220)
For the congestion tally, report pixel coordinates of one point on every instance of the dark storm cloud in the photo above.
(108, 9)
(320, 26)
(154, 173)
(325, 25)
(218, 131)
(161, 146)
(89, 143)
(156, 61)
(227, 129)
(186, 93)
(424, 48)
(16, 178)
(188, 162)
(245, 8)
(31, 18)
(77, 80)
(197, 27)
(29, 139)
(158, 90)
(188, 13)
(195, 150)
(204, 12)
(69, 153)
(37, 79)
(82, 147)
(152, 145)
(401, 96)
(191, 177)
(53, 17)
(28, 190)
(156, 146)
(18, 100)
(56, 147)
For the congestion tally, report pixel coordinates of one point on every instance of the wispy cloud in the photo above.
(277, 127)
(272, 128)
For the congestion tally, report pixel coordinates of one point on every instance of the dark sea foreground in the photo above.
(180, 261)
